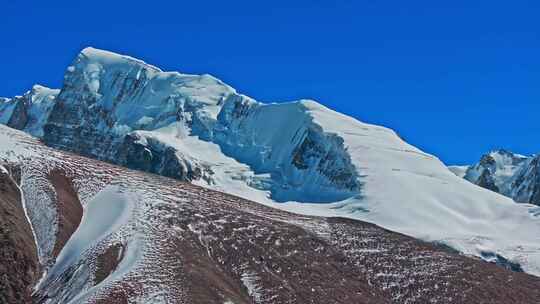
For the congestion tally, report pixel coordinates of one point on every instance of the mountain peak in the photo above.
(40, 90)
(111, 58)
(501, 151)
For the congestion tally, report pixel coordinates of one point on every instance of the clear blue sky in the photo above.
(455, 78)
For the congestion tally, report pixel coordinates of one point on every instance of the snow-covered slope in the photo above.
(510, 174)
(298, 156)
(143, 238)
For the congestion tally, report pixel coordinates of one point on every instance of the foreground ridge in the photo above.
(146, 238)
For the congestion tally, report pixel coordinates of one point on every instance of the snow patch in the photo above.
(107, 212)
(249, 280)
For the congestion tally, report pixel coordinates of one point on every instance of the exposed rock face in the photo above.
(515, 176)
(146, 154)
(19, 265)
(527, 182)
(19, 117)
(486, 181)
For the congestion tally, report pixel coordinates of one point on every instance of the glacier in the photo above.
(297, 156)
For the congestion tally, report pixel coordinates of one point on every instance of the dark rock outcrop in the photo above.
(98, 108)
(19, 116)
(141, 153)
(330, 160)
(486, 181)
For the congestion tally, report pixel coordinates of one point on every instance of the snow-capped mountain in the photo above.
(30, 111)
(297, 156)
(120, 109)
(510, 174)
(77, 230)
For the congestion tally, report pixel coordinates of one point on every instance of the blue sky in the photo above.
(455, 78)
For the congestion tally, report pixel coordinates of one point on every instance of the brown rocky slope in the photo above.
(180, 243)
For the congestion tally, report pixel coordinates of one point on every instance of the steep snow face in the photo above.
(510, 174)
(30, 111)
(306, 161)
(105, 96)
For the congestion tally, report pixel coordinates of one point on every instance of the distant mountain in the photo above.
(510, 174)
(30, 111)
(297, 156)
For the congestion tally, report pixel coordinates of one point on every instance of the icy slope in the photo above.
(297, 156)
(510, 174)
(306, 161)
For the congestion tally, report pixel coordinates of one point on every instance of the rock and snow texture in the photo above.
(30, 111)
(298, 156)
(144, 238)
(510, 174)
